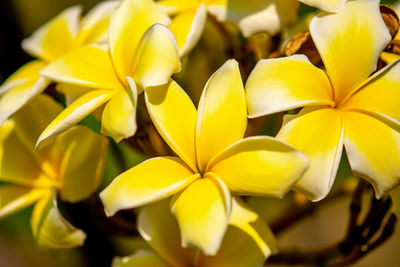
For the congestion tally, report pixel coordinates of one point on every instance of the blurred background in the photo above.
(325, 226)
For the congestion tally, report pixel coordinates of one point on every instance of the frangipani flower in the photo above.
(70, 165)
(342, 106)
(213, 160)
(253, 16)
(142, 54)
(326, 5)
(62, 34)
(248, 241)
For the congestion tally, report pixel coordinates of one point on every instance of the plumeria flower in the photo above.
(213, 160)
(69, 166)
(343, 106)
(60, 35)
(141, 53)
(247, 243)
(189, 17)
(326, 5)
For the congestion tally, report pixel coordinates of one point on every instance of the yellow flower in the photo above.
(342, 106)
(189, 17)
(62, 34)
(70, 166)
(326, 5)
(248, 241)
(214, 161)
(141, 53)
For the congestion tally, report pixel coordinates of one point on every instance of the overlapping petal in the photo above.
(327, 5)
(75, 112)
(187, 28)
(178, 6)
(152, 180)
(286, 83)
(357, 32)
(222, 114)
(203, 217)
(262, 166)
(165, 105)
(127, 26)
(319, 134)
(141, 258)
(56, 37)
(156, 57)
(373, 154)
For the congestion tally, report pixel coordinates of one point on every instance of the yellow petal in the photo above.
(319, 134)
(75, 112)
(202, 217)
(119, 115)
(326, 5)
(379, 96)
(167, 103)
(156, 57)
(33, 118)
(17, 97)
(129, 22)
(187, 28)
(29, 71)
(178, 6)
(83, 155)
(262, 166)
(95, 24)
(286, 83)
(373, 149)
(89, 66)
(159, 228)
(51, 229)
(71, 91)
(151, 180)
(222, 115)
(14, 154)
(141, 258)
(14, 198)
(350, 43)
(248, 240)
(56, 37)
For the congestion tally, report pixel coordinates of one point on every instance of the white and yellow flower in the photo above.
(60, 35)
(326, 5)
(189, 17)
(247, 243)
(213, 160)
(69, 166)
(142, 53)
(343, 106)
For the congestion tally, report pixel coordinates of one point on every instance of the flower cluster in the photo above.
(119, 65)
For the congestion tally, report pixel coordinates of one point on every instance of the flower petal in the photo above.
(151, 180)
(82, 153)
(119, 115)
(379, 95)
(281, 84)
(51, 229)
(262, 166)
(202, 217)
(89, 66)
(141, 258)
(159, 228)
(127, 26)
(75, 112)
(56, 37)
(222, 115)
(350, 43)
(177, 6)
(373, 154)
(167, 103)
(95, 24)
(156, 57)
(319, 134)
(247, 242)
(326, 5)
(14, 198)
(187, 28)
